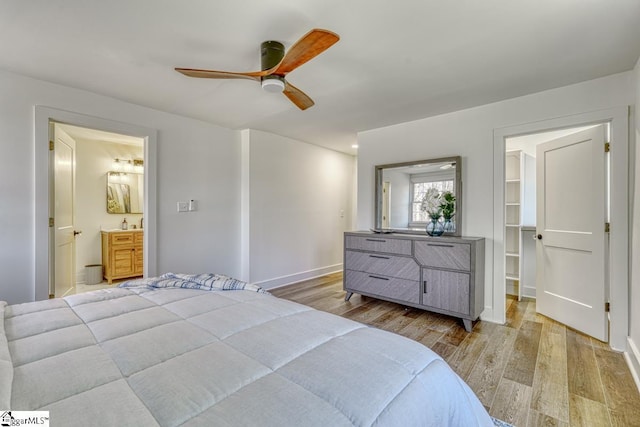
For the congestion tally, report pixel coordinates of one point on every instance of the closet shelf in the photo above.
(519, 200)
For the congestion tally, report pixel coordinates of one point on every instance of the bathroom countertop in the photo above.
(118, 230)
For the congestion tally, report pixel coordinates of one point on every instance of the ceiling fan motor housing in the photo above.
(272, 53)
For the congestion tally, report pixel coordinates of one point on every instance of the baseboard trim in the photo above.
(529, 292)
(289, 279)
(487, 315)
(632, 356)
(81, 278)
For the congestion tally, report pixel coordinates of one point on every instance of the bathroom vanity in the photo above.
(122, 254)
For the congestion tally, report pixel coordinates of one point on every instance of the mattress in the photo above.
(188, 357)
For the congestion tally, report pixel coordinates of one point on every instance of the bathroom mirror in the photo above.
(400, 190)
(125, 192)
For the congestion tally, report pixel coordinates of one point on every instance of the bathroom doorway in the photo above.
(45, 117)
(87, 164)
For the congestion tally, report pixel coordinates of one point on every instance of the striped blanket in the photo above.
(204, 281)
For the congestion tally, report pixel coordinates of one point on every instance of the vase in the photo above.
(435, 228)
(449, 226)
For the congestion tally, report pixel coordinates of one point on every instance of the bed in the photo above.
(174, 356)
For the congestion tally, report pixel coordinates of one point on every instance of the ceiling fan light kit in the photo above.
(276, 64)
(273, 84)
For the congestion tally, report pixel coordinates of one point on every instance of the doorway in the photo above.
(618, 260)
(91, 159)
(44, 204)
(566, 270)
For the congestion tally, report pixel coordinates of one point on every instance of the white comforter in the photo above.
(183, 357)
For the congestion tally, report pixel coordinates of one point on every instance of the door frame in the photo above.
(43, 233)
(618, 271)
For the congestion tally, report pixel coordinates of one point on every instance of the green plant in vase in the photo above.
(448, 208)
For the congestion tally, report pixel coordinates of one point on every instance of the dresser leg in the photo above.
(346, 298)
(468, 325)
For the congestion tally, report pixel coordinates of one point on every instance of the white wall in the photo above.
(196, 160)
(301, 198)
(93, 160)
(634, 297)
(469, 133)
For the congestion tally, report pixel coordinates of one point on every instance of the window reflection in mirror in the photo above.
(125, 192)
(401, 189)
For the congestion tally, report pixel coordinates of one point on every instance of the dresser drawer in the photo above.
(444, 255)
(388, 265)
(378, 244)
(383, 286)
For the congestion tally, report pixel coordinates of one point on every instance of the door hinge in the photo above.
(51, 145)
(607, 147)
(607, 307)
(607, 227)
(50, 222)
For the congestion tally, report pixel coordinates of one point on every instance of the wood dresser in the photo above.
(122, 254)
(440, 274)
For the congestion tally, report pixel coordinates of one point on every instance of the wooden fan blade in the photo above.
(297, 96)
(211, 74)
(308, 47)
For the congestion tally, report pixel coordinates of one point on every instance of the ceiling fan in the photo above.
(276, 64)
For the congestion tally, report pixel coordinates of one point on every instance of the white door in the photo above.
(570, 221)
(64, 236)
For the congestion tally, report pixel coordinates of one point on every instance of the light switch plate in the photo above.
(183, 206)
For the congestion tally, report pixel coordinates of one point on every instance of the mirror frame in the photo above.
(379, 170)
(109, 173)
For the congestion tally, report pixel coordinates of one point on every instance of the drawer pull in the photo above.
(424, 286)
(378, 277)
(378, 256)
(376, 240)
(440, 245)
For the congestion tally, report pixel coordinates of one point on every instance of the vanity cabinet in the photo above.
(122, 254)
(440, 274)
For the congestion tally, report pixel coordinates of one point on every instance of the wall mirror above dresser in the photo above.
(402, 188)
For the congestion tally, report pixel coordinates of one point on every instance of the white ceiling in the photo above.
(396, 61)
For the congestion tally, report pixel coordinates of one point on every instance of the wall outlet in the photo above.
(183, 206)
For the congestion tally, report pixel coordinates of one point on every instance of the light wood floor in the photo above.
(530, 372)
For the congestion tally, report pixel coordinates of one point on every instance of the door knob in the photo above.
(539, 236)
(75, 233)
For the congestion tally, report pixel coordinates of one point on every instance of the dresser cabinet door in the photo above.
(446, 290)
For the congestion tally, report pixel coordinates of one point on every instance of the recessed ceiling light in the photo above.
(354, 146)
